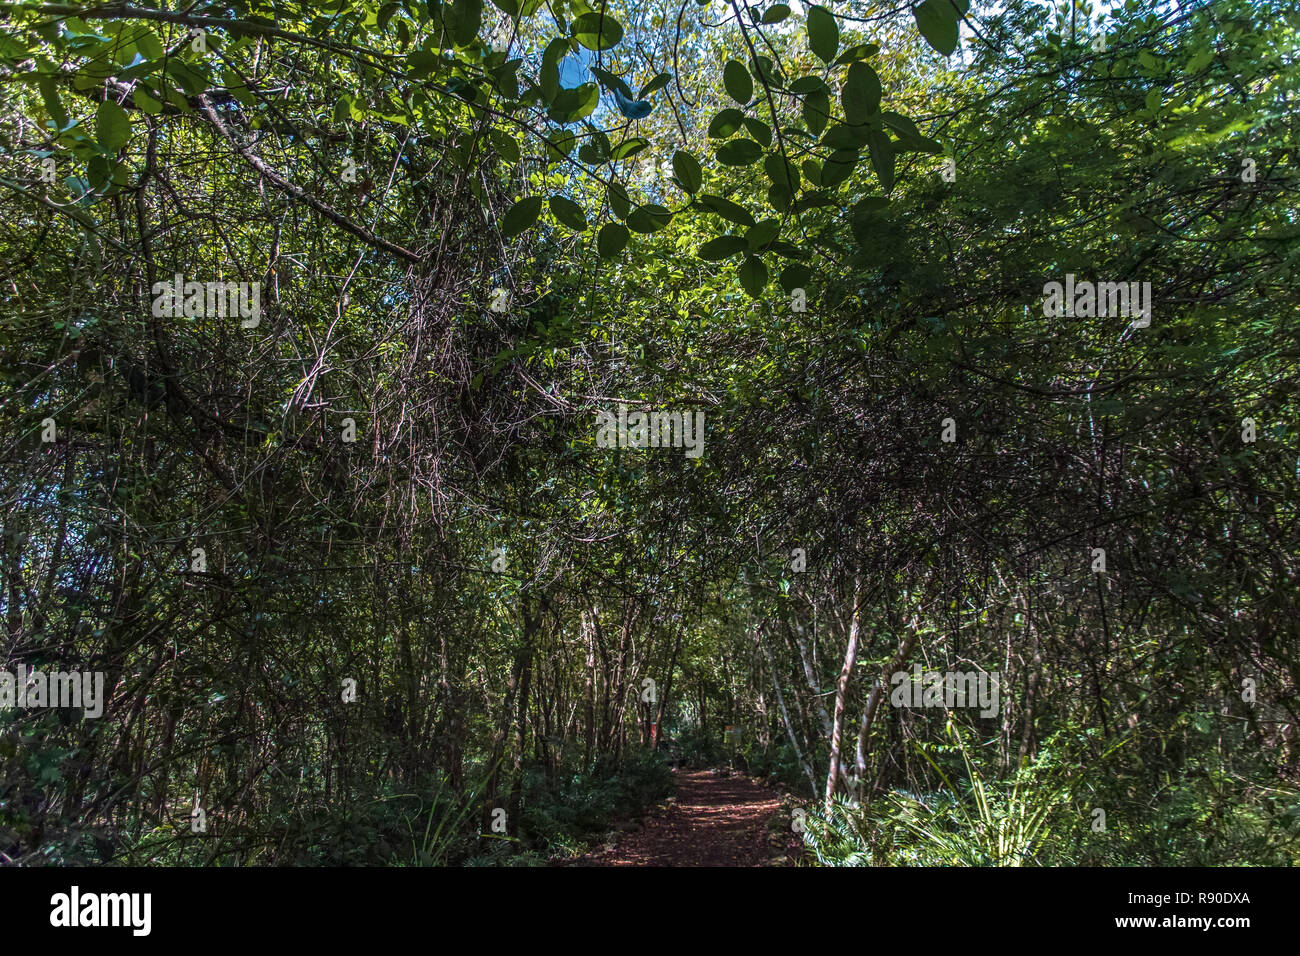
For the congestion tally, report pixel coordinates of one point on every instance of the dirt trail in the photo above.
(716, 821)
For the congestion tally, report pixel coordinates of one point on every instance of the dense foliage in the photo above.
(828, 229)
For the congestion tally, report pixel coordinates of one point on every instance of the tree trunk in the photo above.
(841, 692)
(873, 701)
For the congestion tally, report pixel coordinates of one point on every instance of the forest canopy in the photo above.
(432, 420)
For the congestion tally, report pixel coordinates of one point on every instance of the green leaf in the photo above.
(906, 130)
(727, 209)
(656, 84)
(737, 81)
(462, 19)
(858, 52)
(761, 132)
(611, 239)
(780, 172)
(649, 218)
(619, 201)
(549, 79)
(190, 79)
(809, 84)
(569, 106)
(779, 197)
(723, 247)
(753, 276)
(688, 171)
(520, 216)
(762, 233)
(838, 167)
(725, 123)
(861, 93)
(421, 63)
(840, 136)
(937, 21)
(597, 31)
(612, 82)
(560, 145)
(146, 102)
(739, 152)
(50, 96)
(569, 213)
(505, 145)
(629, 148)
(816, 112)
(823, 33)
(882, 157)
(112, 126)
(775, 13)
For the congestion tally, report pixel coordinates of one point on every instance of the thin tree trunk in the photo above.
(841, 692)
(666, 689)
(873, 701)
(810, 677)
(785, 716)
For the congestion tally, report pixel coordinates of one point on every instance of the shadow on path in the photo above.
(716, 821)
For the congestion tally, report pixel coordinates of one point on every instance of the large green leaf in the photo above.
(816, 112)
(569, 106)
(629, 148)
(569, 213)
(648, 218)
(520, 216)
(725, 123)
(753, 276)
(882, 157)
(112, 126)
(611, 239)
(781, 172)
(795, 276)
(723, 247)
(861, 93)
(838, 167)
(737, 81)
(937, 20)
(688, 171)
(760, 234)
(50, 96)
(597, 31)
(728, 210)
(809, 84)
(761, 132)
(462, 19)
(549, 78)
(823, 33)
(739, 152)
(658, 83)
(619, 201)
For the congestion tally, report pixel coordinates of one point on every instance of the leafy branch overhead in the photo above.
(576, 109)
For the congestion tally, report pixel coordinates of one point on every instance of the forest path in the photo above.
(716, 820)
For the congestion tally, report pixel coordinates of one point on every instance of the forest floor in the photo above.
(716, 819)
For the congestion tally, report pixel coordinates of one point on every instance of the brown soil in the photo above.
(716, 820)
